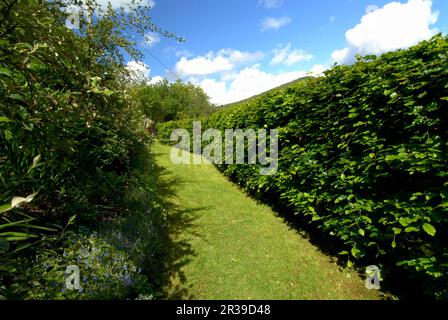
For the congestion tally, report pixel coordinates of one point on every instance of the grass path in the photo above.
(238, 248)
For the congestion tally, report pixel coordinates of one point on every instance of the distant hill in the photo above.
(284, 86)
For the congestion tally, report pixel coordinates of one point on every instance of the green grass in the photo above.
(238, 248)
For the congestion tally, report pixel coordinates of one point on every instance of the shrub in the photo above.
(363, 157)
(69, 132)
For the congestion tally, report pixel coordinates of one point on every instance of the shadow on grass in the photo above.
(176, 249)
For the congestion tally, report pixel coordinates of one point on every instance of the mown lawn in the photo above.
(236, 248)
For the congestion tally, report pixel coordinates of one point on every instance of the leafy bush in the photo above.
(105, 272)
(363, 157)
(69, 134)
(164, 101)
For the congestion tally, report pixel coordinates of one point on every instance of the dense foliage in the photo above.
(363, 157)
(70, 138)
(164, 101)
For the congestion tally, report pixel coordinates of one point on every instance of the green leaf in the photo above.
(17, 97)
(16, 236)
(4, 119)
(429, 229)
(71, 220)
(15, 223)
(5, 208)
(356, 252)
(394, 244)
(5, 72)
(404, 222)
(4, 245)
(411, 229)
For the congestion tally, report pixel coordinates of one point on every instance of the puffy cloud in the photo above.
(222, 61)
(271, 23)
(341, 55)
(138, 69)
(202, 66)
(155, 80)
(269, 4)
(152, 38)
(216, 90)
(288, 57)
(317, 70)
(230, 75)
(139, 72)
(395, 26)
(240, 57)
(246, 83)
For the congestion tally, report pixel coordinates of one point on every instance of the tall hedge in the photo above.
(71, 144)
(363, 157)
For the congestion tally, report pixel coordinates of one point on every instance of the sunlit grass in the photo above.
(241, 249)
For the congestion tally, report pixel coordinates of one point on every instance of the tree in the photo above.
(68, 128)
(166, 101)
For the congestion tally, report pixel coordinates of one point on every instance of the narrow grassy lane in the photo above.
(238, 248)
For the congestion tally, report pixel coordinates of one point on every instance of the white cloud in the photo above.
(222, 61)
(139, 70)
(288, 57)
(202, 66)
(230, 75)
(155, 80)
(248, 82)
(317, 70)
(216, 90)
(395, 26)
(241, 57)
(271, 23)
(269, 4)
(341, 55)
(152, 38)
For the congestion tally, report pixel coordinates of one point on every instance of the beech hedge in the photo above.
(363, 158)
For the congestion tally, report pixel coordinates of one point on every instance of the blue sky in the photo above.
(237, 48)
